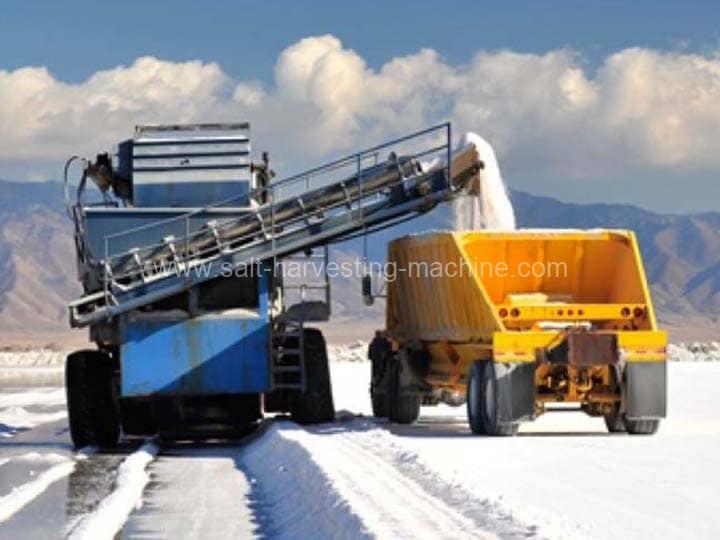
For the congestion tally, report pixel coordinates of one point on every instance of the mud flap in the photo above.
(645, 390)
(516, 391)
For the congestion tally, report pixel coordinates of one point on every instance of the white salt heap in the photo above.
(355, 352)
(32, 358)
(491, 208)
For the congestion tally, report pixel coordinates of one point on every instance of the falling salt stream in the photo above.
(491, 207)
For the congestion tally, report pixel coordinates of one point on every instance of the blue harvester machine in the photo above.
(181, 260)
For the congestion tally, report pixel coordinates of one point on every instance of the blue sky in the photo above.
(641, 158)
(74, 39)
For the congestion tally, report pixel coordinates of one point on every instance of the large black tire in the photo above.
(403, 407)
(642, 427)
(475, 398)
(315, 405)
(92, 399)
(490, 404)
(379, 352)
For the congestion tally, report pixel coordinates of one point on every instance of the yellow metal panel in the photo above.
(569, 312)
(643, 346)
(643, 282)
(587, 266)
(640, 339)
(637, 346)
(433, 296)
(456, 287)
(521, 346)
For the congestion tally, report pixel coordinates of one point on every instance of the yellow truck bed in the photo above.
(508, 293)
(572, 306)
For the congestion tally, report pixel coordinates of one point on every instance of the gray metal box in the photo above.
(191, 165)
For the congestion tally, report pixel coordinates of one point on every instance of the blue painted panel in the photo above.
(219, 353)
(211, 354)
(188, 194)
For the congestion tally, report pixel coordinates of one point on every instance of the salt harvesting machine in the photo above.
(181, 254)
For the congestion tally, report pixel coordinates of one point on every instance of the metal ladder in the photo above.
(288, 357)
(288, 370)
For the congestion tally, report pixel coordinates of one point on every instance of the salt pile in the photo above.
(40, 367)
(354, 352)
(491, 208)
(34, 358)
(695, 352)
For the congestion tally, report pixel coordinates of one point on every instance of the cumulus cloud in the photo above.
(641, 109)
(42, 118)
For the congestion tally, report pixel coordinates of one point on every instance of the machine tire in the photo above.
(642, 427)
(315, 405)
(475, 398)
(403, 408)
(379, 405)
(490, 404)
(91, 399)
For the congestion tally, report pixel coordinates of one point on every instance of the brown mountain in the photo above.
(38, 277)
(37, 265)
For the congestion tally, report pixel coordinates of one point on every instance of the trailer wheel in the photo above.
(642, 427)
(378, 353)
(403, 407)
(379, 404)
(490, 404)
(315, 405)
(91, 399)
(475, 398)
(615, 423)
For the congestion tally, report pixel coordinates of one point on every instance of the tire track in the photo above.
(392, 503)
(111, 513)
(358, 488)
(485, 514)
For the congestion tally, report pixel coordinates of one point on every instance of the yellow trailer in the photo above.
(513, 322)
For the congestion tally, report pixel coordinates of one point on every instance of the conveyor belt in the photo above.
(373, 197)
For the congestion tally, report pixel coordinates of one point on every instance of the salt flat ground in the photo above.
(563, 476)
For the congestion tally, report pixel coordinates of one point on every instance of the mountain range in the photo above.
(38, 274)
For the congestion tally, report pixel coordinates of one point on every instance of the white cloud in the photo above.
(42, 118)
(642, 109)
(249, 94)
